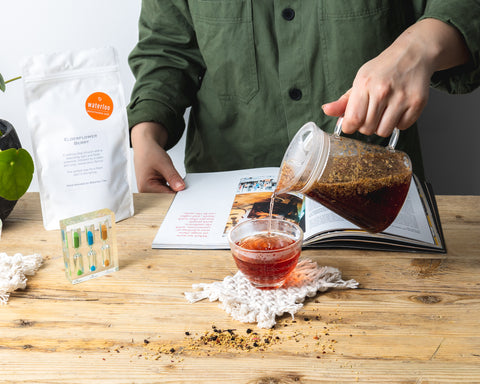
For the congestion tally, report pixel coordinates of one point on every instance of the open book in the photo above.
(201, 215)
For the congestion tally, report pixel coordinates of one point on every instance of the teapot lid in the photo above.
(304, 158)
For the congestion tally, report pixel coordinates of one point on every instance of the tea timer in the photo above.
(89, 245)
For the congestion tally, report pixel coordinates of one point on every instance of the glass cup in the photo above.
(266, 250)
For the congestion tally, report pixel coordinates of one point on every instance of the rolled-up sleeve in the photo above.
(464, 15)
(167, 67)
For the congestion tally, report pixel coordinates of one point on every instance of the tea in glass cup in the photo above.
(266, 250)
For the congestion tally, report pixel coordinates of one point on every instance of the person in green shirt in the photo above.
(253, 72)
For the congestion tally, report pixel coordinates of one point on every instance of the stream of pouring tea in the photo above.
(270, 211)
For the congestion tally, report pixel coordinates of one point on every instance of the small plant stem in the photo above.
(15, 78)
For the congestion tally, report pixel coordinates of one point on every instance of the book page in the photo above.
(321, 219)
(199, 215)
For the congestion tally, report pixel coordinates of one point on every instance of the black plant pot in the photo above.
(8, 139)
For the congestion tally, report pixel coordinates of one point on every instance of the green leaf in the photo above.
(2, 83)
(16, 172)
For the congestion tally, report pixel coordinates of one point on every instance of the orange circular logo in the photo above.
(99, 106)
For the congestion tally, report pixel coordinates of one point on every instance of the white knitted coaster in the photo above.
(13, 270)
(248, 304)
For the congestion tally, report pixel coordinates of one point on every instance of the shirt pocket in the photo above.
(224, 31)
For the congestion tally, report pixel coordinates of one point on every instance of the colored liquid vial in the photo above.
(77, 256)
(91, 255)
(65, 252)
(105, 247)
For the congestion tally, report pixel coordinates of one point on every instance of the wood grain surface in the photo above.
(414, 319)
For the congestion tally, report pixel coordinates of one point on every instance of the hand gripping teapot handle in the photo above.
(391, 144)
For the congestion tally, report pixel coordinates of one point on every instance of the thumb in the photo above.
(171, 175)
(175, 181)
(337, 108)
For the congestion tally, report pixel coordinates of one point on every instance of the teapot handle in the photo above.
(391, 144)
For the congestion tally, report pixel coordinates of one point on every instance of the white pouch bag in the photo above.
(78, 125)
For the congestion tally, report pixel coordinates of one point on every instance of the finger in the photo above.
(169, 174)
(150, 181)
(155, 186)
(372, 121)
(415, 106)
(378, 102)
(399, 114)
(409, 118)
(158, 184)
(164, 178)
(389, 120)
(356, 111)
(337, 108)
(175, 181)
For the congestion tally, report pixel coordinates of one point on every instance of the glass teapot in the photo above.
(364, 183)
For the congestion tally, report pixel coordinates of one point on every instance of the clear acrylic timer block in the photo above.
(89, 244)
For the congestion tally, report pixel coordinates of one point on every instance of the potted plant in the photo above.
(16, 165)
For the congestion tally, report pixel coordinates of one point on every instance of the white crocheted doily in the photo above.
(13, 272)
(248, 304)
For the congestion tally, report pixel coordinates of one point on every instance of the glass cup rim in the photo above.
(265, 220)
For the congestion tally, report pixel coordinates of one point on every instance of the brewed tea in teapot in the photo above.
(365, 183)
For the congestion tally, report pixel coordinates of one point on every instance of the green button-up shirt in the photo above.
(254, 71)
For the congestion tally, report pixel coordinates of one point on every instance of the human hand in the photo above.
(154, 169)
(392, 89)
(388, 91)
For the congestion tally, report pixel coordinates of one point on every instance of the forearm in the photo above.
(440, 44)
(147, 131)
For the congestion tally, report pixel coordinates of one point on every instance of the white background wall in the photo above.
(450, 125)
(30, 27)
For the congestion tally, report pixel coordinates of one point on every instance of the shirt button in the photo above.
(288, 14)
(295, 94)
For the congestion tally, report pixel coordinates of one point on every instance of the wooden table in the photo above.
(414, 319)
